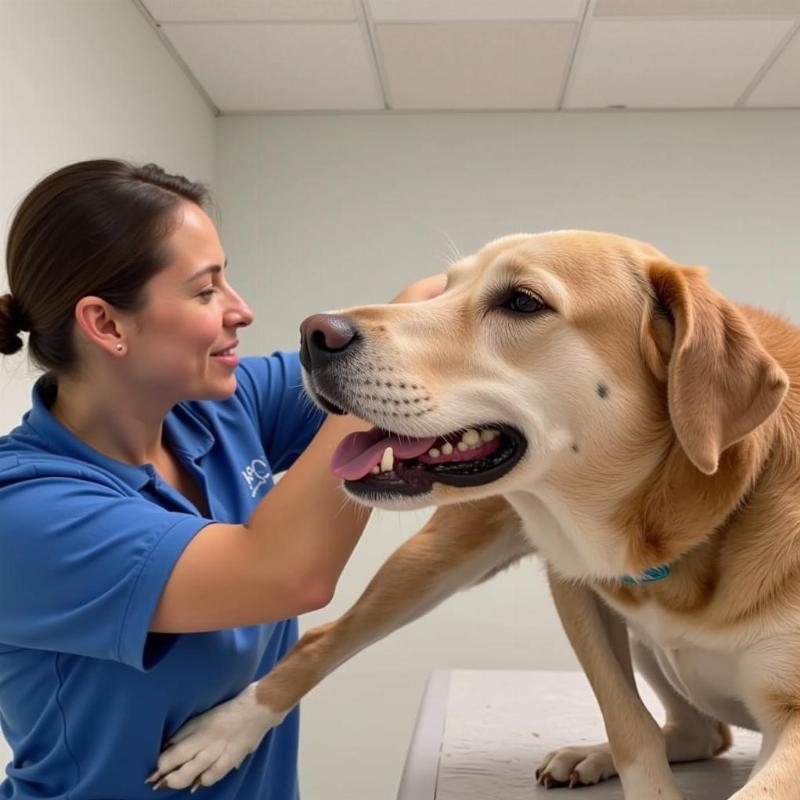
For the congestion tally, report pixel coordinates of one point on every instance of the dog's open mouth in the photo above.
(377, 462)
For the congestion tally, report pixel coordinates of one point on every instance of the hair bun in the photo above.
(12, 321)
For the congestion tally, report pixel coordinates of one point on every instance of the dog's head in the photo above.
(560, 354)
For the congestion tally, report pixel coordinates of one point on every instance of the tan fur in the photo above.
(663, 427)
(407, 586)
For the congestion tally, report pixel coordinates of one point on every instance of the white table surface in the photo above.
(481, 734)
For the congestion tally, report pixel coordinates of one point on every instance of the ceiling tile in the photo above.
(670, 63)
(250, 10)
(474, 65)
(780, 87)
(454, 10)
(696, 8)
(280, 67)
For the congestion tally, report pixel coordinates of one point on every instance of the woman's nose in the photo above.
(239, 314)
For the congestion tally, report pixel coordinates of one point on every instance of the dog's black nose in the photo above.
(324, 337)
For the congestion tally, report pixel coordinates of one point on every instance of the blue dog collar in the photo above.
(650, 575)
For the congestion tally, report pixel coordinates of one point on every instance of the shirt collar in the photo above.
(186, 431)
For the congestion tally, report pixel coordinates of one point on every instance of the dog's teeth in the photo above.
(488, 435)
(387, 462)
(434, 453)
(447, 448)
(376, 470)
(462, 446)
(471, 437)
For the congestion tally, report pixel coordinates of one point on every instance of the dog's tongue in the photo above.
(360, 452)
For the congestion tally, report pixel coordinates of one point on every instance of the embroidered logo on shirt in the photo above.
(257, 474)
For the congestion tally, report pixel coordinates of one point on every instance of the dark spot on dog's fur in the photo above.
(574, 448)
(602, 390)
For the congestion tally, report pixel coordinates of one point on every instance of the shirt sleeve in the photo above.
(83, 566)
(272, 389)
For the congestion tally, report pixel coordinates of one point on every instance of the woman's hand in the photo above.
(422, 289)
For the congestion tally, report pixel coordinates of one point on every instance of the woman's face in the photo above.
(181, 344)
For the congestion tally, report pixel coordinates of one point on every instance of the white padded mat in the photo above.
(494, 727)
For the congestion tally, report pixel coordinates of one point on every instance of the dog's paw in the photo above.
(212, 744)
(576, 766)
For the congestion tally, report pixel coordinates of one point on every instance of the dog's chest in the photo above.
(712, 680)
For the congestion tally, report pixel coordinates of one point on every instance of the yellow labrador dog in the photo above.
(605, 408)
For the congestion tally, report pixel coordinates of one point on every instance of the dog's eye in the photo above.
(523, 303)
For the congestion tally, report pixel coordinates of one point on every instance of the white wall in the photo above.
(86, 79)
(321, 212)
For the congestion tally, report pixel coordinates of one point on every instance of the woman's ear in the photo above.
(97, 319)
(721, 382)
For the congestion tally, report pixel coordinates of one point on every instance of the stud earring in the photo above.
(120, 347)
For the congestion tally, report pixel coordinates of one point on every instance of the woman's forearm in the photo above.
(307, 509)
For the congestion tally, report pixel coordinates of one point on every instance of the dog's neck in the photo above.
(605, 530)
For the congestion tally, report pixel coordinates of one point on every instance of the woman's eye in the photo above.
(523, 303)
(207, 294)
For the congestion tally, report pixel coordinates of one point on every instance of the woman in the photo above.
(148, 567)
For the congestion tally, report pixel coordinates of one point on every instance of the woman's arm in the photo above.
(284, 561)
(287, 558)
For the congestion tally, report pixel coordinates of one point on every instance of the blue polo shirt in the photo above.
(87, 543)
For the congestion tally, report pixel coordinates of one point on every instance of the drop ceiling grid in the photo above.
(672, 63)
(780, 85)
(474, 10)
(300, 66)
(482, 65)
(251, 10)
(356, 55)
(696, 8)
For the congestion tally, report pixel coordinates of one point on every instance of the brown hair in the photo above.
(91, 228)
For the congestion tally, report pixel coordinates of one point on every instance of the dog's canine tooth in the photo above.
(387, 462)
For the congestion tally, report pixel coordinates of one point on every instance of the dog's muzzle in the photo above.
(378, 463)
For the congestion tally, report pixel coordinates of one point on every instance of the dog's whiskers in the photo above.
(454, 253)
(307, 402)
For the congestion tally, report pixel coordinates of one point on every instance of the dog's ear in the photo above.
(721, 382)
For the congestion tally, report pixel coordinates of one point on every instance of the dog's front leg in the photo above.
(600, 640)
(778, 778)
(459, 546)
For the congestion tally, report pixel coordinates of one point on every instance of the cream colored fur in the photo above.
(663, 427)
